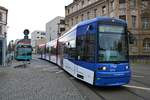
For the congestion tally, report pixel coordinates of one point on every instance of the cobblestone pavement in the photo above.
(40, 80)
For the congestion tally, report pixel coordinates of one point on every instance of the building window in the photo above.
(123, 17)
(42, 33)
(89, 1)
(88, 15)
(133, 22)
(121, 1)
(68, 11)
(0, 16)
(112, 5)
(76, 19)
(144, 4)
(95, 13)
(72, 9)
(67, 22)
(135, 42)
(145, 23)
(133, 3)
(146, 44)
(82, 17)
(62, 21)
(72, 21)
(104, 10)
(82, 3)
(77, 6)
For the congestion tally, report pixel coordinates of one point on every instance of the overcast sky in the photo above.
(31, 14)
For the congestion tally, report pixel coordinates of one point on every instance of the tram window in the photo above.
(47, 49)
(65, 48)
(72, 49)
(89, 47)
(85, 47)
(44, 50)
(53, 50)
(80, 48)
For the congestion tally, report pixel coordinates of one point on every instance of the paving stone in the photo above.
(40, 80)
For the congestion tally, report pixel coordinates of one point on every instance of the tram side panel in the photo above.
(72, 55)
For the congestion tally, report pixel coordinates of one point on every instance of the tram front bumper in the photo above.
(112, 78)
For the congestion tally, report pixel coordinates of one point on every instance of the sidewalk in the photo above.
(14, 63)
(40, 80)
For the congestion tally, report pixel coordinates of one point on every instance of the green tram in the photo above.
(23, 52)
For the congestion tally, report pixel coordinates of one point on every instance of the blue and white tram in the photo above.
(94, 51)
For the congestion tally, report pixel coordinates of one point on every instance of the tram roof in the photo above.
(104, 18)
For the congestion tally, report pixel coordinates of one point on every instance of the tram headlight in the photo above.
(127, 67)
(104, 68)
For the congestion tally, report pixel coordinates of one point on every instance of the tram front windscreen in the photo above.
(113, 43)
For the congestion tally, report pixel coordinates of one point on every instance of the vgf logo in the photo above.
(114, 66)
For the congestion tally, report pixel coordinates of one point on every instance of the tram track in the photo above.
(143, 98)
(86, 90)
(141, 74)
(141, 82)
(101, 94)
(98, 94)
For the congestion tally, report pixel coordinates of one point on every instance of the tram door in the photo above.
(1, 52)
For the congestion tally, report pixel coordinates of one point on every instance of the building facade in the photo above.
(37, 38)
(3, 33)
(135, 12)
(54, 28)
